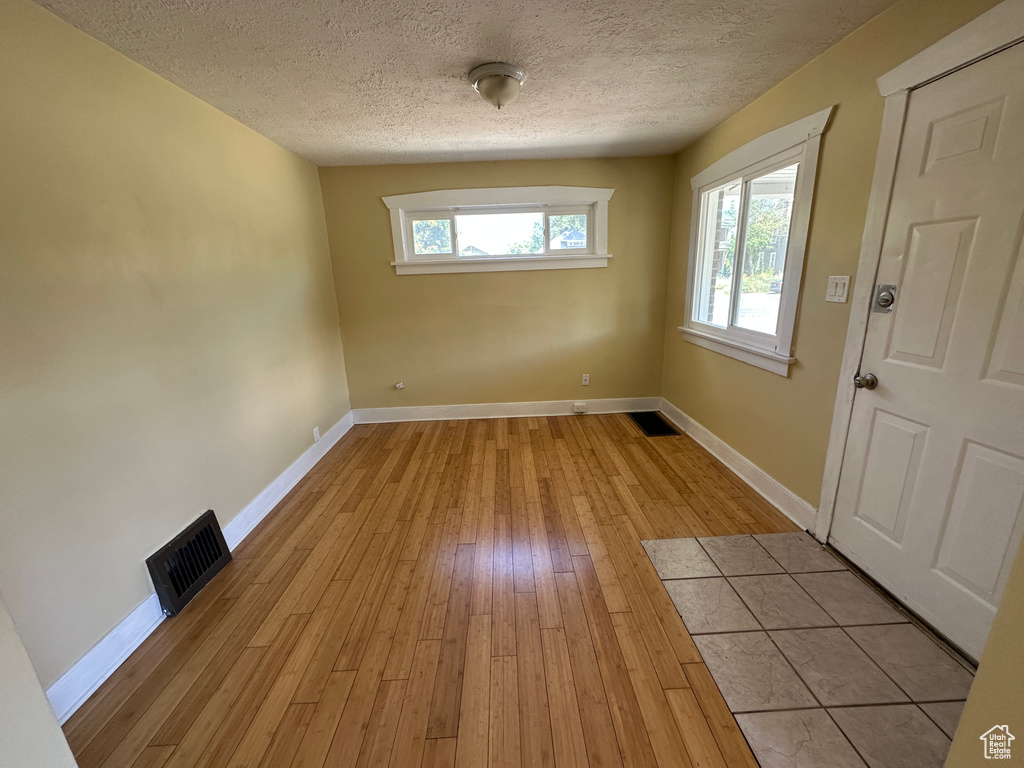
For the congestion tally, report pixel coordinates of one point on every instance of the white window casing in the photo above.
(795, 143)
(549, 200)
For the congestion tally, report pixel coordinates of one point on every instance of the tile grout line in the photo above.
(848, 739)
(925, 711)
(762, 629)
(761, 624)
(836, 625)
(797, 629)
(842, 706)
(910, 699)
(799, 677)
(873, 661)
(790, 663)
(847, 568)
(910, 616)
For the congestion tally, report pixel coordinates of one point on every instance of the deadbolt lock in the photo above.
(885, 297)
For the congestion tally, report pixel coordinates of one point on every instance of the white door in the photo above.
(931, 494)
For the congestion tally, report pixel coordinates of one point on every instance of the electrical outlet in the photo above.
(586, 379)
(579, 407)
(316, 434)
(400, 385)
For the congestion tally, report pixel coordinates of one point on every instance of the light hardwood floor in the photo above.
(466, 593)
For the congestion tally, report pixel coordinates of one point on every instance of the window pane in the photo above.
(769, 211)
(431, 236)
(568, 231)
(717, 250)
(497, 234)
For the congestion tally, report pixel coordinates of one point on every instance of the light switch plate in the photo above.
(838, 288)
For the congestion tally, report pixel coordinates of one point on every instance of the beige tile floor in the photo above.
(819, 668)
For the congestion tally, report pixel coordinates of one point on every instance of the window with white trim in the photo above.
(500, 229)
(748, 234)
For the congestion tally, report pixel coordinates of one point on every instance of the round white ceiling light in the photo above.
(497, 83)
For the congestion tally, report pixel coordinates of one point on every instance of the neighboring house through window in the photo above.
(572, 238)
(748, 233)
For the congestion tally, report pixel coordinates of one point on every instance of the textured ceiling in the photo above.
(348, 82)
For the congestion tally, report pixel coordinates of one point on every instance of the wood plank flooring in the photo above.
(449, 593)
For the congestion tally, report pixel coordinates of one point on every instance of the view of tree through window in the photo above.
(719, 208)
(499, 234)
(432, 236)
(767, 213)
(500, 229)
(532, 244)
(574, 224)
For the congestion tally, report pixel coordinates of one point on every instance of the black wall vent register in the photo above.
(188, 563)
(652, 424)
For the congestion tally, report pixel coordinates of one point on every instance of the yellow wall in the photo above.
(29, 734)
(170, 333)
(996, 697)
(501, 336)
(782, 424)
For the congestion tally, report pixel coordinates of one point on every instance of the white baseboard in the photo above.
(243, 523)
(502, 410)
(774, 492)
(81, 681)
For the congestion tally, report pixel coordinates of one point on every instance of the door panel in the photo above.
(932, 279)
(931, 493)
(1008, 358)
(977, 550)
(972, 131)
(893, 456)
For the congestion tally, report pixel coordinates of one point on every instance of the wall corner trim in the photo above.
(88, 673)
(774, 492)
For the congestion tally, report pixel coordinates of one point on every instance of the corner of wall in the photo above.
(347, 397)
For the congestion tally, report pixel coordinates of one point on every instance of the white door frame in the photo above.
(996, 29)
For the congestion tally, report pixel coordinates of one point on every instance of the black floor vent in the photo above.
(653, 424)
(188, 563)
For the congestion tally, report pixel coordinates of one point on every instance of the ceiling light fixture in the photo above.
(497, 83)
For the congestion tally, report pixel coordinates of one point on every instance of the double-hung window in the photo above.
(506, 228)
(748, 234)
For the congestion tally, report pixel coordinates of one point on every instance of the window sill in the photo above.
(761, 358)
(513, 264)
